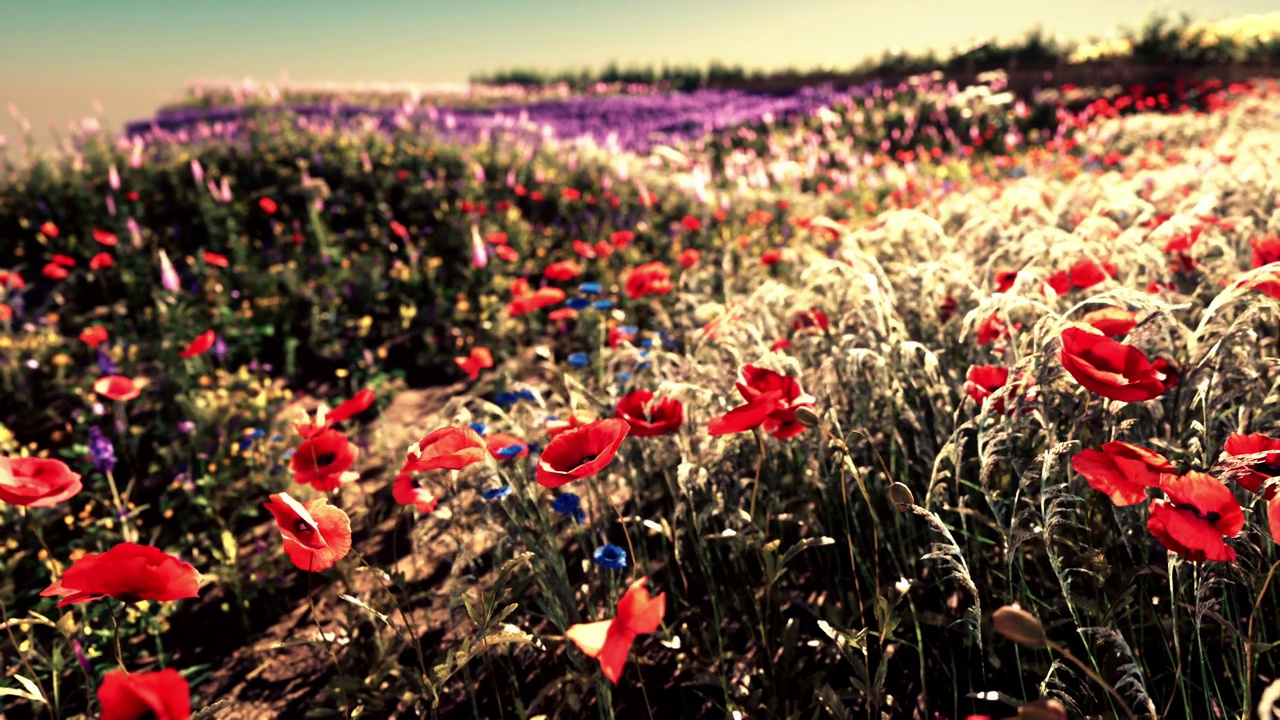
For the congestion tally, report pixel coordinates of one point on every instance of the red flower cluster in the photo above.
(449, 448)
(1085, 273)
(1195, 514)
(772, 400)
(526, 300)
(325, 456)
(649, 279)
(649, 416)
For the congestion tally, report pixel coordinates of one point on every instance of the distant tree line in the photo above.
(1161, 40)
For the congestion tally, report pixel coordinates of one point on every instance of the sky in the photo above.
(57, 57)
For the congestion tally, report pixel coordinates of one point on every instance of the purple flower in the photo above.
(219, 349)
(101, 451)
(105, 363)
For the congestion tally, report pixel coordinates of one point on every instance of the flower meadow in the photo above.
(909, 401)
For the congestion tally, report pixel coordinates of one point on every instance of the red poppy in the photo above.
(584, 249)
(812, 318)
(324, 460)
(407, 490)
(102, 237)
(622, 238)
(772, 400)
(1108, 368)
(116, 387)
(1083, 274)
(1122, 471)
(609, 641)
(36, 482)
(93, 336)
(1004, 280)
(161, 695)
(563, 270)
(564, 313)
(1266, 250)
(1111, 321)
(449, 448)
(691, 223)
(399, 229)
(759, 218)
(947, 308)
(350, 407)
(536, 300)
(12, 279)
(215, 259)
(581, 452)
(771, 257)
(316, 535)
(200, 345)
(980, 381)
(993, 329)
(479, 359)
(617, 336)
(649, 416)
(570, 193)
(555, 427)
(648, 279)
(1254, 472)
(48, 229)
(780, 344)
(6, 312)
(100, 261)
(506, 252)
(603, 249)
(127, 572)
(496, 237)
(689, 258)
(54, 271)
(1199, 513)
(268, 206)
(497, 442)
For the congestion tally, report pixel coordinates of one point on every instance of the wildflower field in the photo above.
(892, 401)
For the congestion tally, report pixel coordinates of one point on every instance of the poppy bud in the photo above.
(806, 416)
(1019, 626)
(1043, 710)
(901, 497)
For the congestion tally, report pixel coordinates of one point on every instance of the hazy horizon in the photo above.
(60, 56)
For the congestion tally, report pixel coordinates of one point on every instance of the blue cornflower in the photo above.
(644, 366)
(101, 451)
(602, 305)
(590, 288)
(527, 394)
(510, 451)
(610, 557)
(479, 427)
(577, 303)
(569, 504)
(497, 493)
(629, 329)
(507, 398)
(578, 360)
